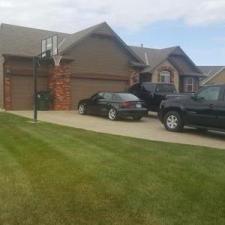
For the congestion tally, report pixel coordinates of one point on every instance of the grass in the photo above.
(53, 175)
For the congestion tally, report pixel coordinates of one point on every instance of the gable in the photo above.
(218, 79)
(100, 55)
(183, 65)
(103, 30)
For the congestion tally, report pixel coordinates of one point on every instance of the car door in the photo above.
(201, 108)
(93, 104)
(220, 110)
(103, 103)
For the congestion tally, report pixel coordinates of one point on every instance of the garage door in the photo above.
(22, 91)
(84, 88)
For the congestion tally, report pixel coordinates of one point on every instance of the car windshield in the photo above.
(166, 88)
(126, 97)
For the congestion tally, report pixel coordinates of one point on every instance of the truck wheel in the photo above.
(173, 121)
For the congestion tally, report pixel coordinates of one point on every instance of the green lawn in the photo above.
(51, 175)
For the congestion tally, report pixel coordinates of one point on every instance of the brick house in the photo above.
(95, 59)
(213, 75)
(169, 65)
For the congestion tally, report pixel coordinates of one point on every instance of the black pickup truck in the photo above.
(204, 110)
(152, 93)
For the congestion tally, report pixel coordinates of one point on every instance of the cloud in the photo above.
(72, 15)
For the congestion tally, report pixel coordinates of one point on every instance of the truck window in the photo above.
(210, 93)
(165, 88)
(149, 87)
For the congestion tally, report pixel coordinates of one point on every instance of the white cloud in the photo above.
(72, 15)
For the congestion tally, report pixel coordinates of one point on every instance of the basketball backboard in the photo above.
(49, 47)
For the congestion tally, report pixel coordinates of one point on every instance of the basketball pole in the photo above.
(35, 88)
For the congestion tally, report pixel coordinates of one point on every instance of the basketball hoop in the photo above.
(57, 59)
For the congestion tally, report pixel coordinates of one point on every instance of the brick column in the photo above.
(7, 93)
(60, 86)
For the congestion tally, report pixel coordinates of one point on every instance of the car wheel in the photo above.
(173, 121)
(137, 118)
(112, 114)
(82, 109)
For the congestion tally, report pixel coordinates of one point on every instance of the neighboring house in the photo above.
(213, 75)
(169, 65)
(94, 59)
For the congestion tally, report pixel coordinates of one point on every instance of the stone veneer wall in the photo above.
(175, 79)
(60, 86)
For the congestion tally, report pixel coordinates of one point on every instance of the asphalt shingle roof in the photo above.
(18, 40)
(24, 41)
(210, 70)
(174, 54)
(155, 56)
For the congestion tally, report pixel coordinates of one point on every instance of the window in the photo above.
(108, 96)
(97, 96)
(209, 93)
(149, 87)
(166, 88)
(189, 84)
(165, 77)
(127, 97)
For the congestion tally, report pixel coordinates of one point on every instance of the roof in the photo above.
(210, 72)
(23, 40)
(26, 41)
(154, 57)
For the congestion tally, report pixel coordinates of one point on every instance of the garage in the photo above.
(22, 91)
(84, 88)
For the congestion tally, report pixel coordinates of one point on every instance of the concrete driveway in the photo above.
(149, 128)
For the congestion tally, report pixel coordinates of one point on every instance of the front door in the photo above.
(201, 109)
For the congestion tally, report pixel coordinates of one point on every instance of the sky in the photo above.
(198, 26)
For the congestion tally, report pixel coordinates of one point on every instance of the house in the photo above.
(169, 65)
(94, 59)
(213, 75)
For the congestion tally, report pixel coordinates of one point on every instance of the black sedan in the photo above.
(113, 105)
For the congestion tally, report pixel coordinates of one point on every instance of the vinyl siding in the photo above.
(99, 55)
(218, 79)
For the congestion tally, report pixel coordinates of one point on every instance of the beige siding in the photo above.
(100, 55)
(1, 83)
(218, 79)
(167, 64)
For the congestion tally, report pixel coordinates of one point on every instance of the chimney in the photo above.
(142, 45)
